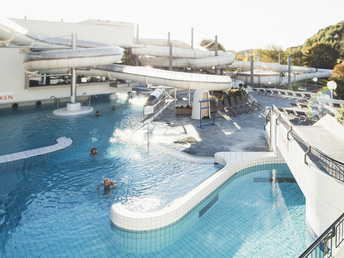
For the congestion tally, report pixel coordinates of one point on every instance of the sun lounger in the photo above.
(336, 105)
(281, 93)
(252, 102)
(235, 106)
(230, 107)
(255, 90)
(224, 109)
(262, 91)
(307, 96)
(247, 108)
(293, 104)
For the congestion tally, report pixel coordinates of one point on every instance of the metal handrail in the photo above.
(323, 245)
(327, 164)
(267, 118)
(212, 111)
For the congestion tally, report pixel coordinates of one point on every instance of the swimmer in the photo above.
(94, 151)
(113, 107)
(98, 113)
(107, 185)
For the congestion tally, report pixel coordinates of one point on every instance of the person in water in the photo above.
(113, 107)
(98, 113)
(107, 185)
(94, 151)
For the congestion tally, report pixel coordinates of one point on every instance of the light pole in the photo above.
(331, 85)
(315, 80)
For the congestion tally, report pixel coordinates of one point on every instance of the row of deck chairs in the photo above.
(300, 115)
(238, 105)
(283, 93)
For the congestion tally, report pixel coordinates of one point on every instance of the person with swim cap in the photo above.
(107, 185)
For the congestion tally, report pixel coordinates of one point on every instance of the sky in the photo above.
(239, 25)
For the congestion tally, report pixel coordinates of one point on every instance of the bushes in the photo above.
(340, 116)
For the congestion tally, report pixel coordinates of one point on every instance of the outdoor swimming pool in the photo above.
(50, 206)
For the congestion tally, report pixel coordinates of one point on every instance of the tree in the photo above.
(321, 55)
(296, 55)
(273, 54)
(333, 34)
(210, 44)
(338, 77)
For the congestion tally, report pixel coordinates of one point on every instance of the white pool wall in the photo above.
(232, 161)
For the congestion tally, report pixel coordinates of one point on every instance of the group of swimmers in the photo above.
(108, 185)
(99, 114)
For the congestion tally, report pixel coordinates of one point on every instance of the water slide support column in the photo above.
(169, 44)
(216, 51)
(251, 72)
(73, 74)
(175, 98)
(289, 73)
(192, 37)
(170, 58)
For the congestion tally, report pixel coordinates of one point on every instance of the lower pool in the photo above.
(50, 205)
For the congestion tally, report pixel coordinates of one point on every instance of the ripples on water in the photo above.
(53, 198)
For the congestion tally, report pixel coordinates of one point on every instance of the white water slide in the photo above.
(99, 59)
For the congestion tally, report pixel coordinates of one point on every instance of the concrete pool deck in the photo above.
(240, 133)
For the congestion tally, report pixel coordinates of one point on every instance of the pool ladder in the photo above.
(56, 101)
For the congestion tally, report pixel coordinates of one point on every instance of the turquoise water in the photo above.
(50, 205)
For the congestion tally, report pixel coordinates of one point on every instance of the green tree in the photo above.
(210, 44)
(272, 54)
(321, 55)
(333, 35)
(296, 55)
(338, 77)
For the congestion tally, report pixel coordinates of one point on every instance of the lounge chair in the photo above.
(336, 105)
(248, 108)
(290, 112)
(290, 94)
(293, 104)
(230, 107)
(252, 102)
(262, 91)
(240, 103)
(235, 106)
(302, 115)
(224, 109)
(282, 93)
(308, 96)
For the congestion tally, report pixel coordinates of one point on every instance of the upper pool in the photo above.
(50, 205)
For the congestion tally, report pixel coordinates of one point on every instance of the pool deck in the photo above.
(234, 134)
(230, 134)
(324, 140)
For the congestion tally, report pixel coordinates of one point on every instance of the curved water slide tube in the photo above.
(297, 73)
(96, 58)
(182, 57)
(275, 67)
(276, 78)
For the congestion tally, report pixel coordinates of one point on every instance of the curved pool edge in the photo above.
(233, 162)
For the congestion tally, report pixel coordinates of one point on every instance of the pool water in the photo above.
(50, 205)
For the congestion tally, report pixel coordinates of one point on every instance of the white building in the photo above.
(16, 86)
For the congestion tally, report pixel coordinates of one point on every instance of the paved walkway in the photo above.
(241, 133)
(324, 140)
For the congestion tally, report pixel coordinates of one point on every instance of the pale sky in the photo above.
(239, 24)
